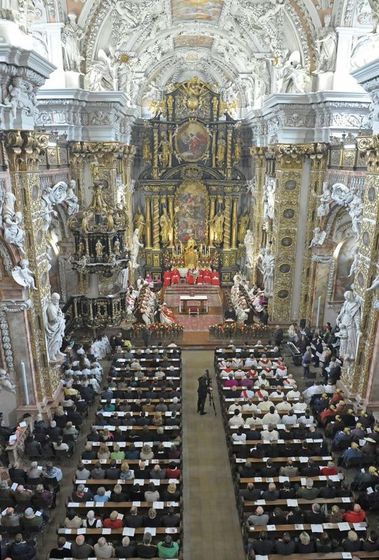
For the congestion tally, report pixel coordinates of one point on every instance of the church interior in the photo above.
(189, 279)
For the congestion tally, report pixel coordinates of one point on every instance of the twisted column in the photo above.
(156, 244)
(227, 222)
(148, 222)
(234, 224)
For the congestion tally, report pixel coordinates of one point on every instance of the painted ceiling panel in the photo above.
(205, 10)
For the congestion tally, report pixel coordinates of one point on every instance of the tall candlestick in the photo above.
(24, 383)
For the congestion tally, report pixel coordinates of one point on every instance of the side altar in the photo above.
(191, 195)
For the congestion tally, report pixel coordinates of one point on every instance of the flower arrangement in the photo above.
(160, 330)
(232, 329)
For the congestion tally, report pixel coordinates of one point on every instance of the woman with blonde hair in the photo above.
(103, 453)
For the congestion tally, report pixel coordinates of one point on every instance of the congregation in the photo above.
(289, 451)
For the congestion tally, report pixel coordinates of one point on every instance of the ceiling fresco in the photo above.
(188, 10)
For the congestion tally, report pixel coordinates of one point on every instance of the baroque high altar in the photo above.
(190, 193)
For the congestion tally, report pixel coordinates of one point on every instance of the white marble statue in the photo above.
(374, 5)
(5, 381)
(248, 242)
(54, 328)
(246, 14)
(23, 275)
(14, 232)
(71, 36)
(293, 77)
(269, 198)
(349, 319)
(318, 237)
(325, 200)
(354, 264)
(71, 199)
(268, 269)
(355, 212)
(102, 72)
(123, 279)
(8, 205)
(343, 196)
(13, 97)
(136, 245)
(47, 210)
(374, 285)
(327, 48)
(52, 196)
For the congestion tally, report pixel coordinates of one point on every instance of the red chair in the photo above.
(166, 278)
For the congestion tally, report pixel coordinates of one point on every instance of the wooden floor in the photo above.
(211, 525)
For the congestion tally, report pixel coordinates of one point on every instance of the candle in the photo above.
(24, 383)
(318, 311)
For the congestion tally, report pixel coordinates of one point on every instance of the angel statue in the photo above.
(318, 237)
(5, 381)
(23, 275)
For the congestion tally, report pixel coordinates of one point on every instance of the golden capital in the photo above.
(369, 146)
(257, 151)
(26, 147)
(98, 149)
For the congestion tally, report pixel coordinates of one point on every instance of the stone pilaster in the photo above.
(318, 162)
(256, 216)
(289, 174)
(357, 376)
(24, 150)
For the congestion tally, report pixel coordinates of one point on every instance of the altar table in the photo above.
(186, 300)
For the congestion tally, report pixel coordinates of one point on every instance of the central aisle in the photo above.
(211, 525)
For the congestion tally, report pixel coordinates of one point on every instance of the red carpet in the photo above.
(194, 323)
